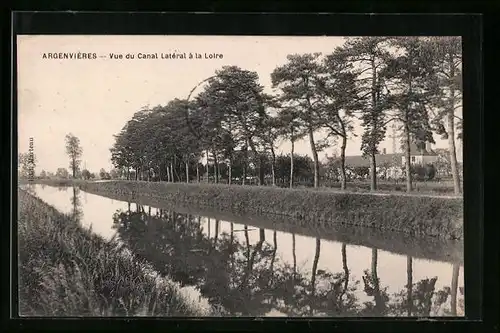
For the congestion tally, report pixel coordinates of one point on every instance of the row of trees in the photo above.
(415, 82)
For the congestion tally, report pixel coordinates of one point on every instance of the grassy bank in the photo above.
(419, 187)
(65, 270)
(395, 242)
(415, 215)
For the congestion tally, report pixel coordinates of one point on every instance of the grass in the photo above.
(419, 187)
(416, 215)
(66, 270)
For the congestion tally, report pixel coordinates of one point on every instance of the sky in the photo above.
(94, 98)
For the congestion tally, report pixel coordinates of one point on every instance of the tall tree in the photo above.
(298, 82)
(447, 62)
(290, 127)
(336, 116)
(236, 105)
(74, 151)
(412, 84)
(369, 56)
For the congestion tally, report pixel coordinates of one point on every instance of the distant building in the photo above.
(422, 156)
(417, 156)
(392, 165)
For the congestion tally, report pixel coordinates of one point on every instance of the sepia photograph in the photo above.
(240, 176)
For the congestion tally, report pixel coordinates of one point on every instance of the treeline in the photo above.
(413, 81)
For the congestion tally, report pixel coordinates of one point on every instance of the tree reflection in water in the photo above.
(76, 203)
(251, 280)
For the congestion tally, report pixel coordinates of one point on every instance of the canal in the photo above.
(253, 269)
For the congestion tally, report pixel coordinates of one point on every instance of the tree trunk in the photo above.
(291, 164)
(197, 172)
(261, 171)
(315, 157)
(373, 163)
(315, 269)
(256, 158)
(454, 288)
(273, 258)
(379, 306)
(232, 233)
(453, 153)
(343, 184)
(128, 173)
(374, 263)
(245, 163)
(451, 132)
(177, 175)
(275, 249)
(172, 172)
(187, 172)
(294, 254)
(407, 155)
(216, 167)
(373, 172)
(273, 163)
(230, 172)
(344, 266)
(247, 239)
(208, 227)
(217, 224)
(262, 235)
(409, 284)
(208, 170)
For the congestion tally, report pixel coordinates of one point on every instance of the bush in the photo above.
(421, 173)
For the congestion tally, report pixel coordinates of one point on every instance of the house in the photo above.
(417, 156)
(422, 156)
(391, 165)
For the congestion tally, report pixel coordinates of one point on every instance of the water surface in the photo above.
(256, 271)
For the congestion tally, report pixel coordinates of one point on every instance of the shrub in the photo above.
(423, 172)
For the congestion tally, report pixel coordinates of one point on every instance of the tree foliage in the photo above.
(231, 130)
(74, 151)
(26, 165)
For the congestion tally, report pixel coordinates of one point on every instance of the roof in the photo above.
(415, 151)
